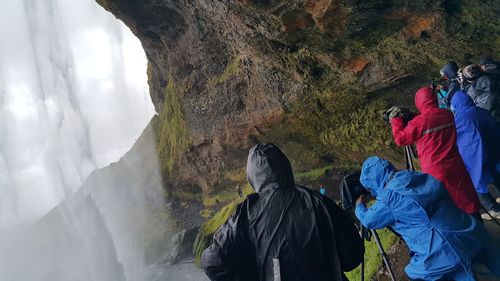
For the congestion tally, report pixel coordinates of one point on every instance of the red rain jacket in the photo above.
(435, 135)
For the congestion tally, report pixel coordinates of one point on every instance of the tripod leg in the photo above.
(363, 270)
(409, 158)
(363, 261)
(384, 255)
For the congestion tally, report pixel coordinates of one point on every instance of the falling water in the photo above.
(73, 99)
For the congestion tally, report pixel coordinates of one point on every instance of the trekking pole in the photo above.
(384, 255)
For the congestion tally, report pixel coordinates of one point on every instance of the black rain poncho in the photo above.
(283, 231)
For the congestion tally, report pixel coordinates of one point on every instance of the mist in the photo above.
(74, 98)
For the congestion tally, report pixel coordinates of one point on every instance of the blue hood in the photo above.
(461, 102)
(450, 70)
(375, 173)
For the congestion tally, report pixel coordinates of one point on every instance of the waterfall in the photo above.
(73, 99)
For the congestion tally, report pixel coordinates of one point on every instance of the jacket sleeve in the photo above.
(350, 246)
(404, 136)
(376, 217)
(220, 260)
(481, 93)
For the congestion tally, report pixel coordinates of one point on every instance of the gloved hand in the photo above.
(395, 112)
(360, 200)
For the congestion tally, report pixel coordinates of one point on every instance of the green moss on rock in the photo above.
(205, 234)
(231, 70)
(172, 133)
(221, 197)
(362, 130)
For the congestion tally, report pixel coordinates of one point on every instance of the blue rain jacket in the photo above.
(442, 239)
(478, 140)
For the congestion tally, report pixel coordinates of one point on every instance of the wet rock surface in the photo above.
(285, 71)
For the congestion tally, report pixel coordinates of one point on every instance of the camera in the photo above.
(404, 113)
(350, 190)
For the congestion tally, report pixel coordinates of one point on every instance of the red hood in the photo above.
(425, 100)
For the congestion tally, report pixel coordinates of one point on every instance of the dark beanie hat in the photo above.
(486, 60)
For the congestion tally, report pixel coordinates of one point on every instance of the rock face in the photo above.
(311, 75)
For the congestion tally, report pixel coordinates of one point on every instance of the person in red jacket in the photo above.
(434, 133)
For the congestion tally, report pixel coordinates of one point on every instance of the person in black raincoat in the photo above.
(283, 231)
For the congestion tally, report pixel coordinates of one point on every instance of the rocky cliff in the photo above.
(310, 75)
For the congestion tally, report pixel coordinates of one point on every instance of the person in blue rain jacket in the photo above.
(478, 139)
(443, 240)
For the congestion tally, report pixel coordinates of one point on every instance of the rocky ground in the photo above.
(186, 214)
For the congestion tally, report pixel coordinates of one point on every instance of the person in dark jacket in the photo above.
(443, 240)
(283, 231)
(449, 72)
(481, 88)
(478, 138)
(491, 68)
(433, 132)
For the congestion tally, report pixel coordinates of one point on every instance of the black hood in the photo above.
(268, 168)
(450, 70)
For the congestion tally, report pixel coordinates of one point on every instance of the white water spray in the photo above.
(73, 98)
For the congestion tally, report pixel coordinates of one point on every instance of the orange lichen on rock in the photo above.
(317, 8)
(328, 15)
(245, 2)
(418, 24)
(296, 20)
(356, 65)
